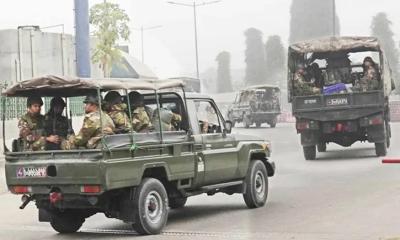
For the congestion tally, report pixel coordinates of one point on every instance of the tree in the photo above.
(224, 83)
(275, 59)
(111, 25)
(255, 57)
(380, 28)
(312, 19)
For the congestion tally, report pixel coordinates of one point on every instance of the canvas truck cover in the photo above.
(336, 44)
(70, 86)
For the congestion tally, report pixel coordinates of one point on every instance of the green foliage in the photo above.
(275, 60)
(312, 19)
(224, 72)
(255, 57)
(110, 25)
(381, 28)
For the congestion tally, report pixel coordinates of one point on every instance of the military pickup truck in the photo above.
(138, 177)
(257, 104)
(336, 97)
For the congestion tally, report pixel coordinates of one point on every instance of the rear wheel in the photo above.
(310, 152)
(380, 149)
(321, 147)
(256, 185)
(273, 122)
(151, 207)
(258, 124)
(66, 222)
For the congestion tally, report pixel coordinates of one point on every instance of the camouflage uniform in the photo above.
(369, 82)
(31, 132)
(55, 125)
(140, 120)
(120, 118)
(169, 120)
(301, 87)
(91, 132)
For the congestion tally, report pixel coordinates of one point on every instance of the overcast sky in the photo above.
(169, 50)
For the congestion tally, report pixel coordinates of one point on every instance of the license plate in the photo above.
(33, 172)
(337, 101)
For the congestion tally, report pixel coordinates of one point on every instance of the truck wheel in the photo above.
(258, 124)
(256, 185)
(321, 147)
(310, 152)
(247, 122)
(178, 202)
(380, 149)
(273, 123)
(66, 222)
(151, 207)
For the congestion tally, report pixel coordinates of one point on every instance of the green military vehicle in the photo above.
(257, 104)
(138, 177)
(341, 99)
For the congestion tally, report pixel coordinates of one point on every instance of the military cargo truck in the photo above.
(256, 104)
(138, 177)
(338, 98)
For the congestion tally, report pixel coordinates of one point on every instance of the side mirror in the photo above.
(228, 126)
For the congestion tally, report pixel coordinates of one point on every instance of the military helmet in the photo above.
(57, 101)
(34, 100)
(135, 97)
(94, 99)
(113, 97)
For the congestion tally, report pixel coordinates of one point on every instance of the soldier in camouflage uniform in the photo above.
(117, 112)
(300, 86)
(91, 132)
(169, 120)
(370, 80)
(55, 123)
(141, 121)
(31, 127)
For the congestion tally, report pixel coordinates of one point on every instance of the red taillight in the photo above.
(90, 189)
(55, 197)
(376, 120)
(339, 127)
(21, 189)
(302, 125)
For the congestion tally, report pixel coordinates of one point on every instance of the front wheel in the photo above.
(256, 185)
(310, 152)
(273, 123)
(321, 147)
(151, 207)
(66, 222)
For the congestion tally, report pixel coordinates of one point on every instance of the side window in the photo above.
(208, 117)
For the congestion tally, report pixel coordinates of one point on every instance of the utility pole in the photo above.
(194, 5)
(142, 30)
(334, 17)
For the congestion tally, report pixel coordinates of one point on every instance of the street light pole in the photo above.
(142, 30)
(194, 5)
(334, 17)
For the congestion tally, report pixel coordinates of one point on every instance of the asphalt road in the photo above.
(346, 194)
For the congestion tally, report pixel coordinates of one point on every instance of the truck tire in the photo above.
(256, 185)
(177, 202)
(310, 152)
(380, 149)
(273, 123)
(258, 124)
(321, 147)
(151, 207)
(66, 222)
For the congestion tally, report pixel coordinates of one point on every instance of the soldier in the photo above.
(117, 111)
(91, 132)
(141, 120)
(300, 86)
(55, 123)
(169, 120)
(369, 81)
(31, 127)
